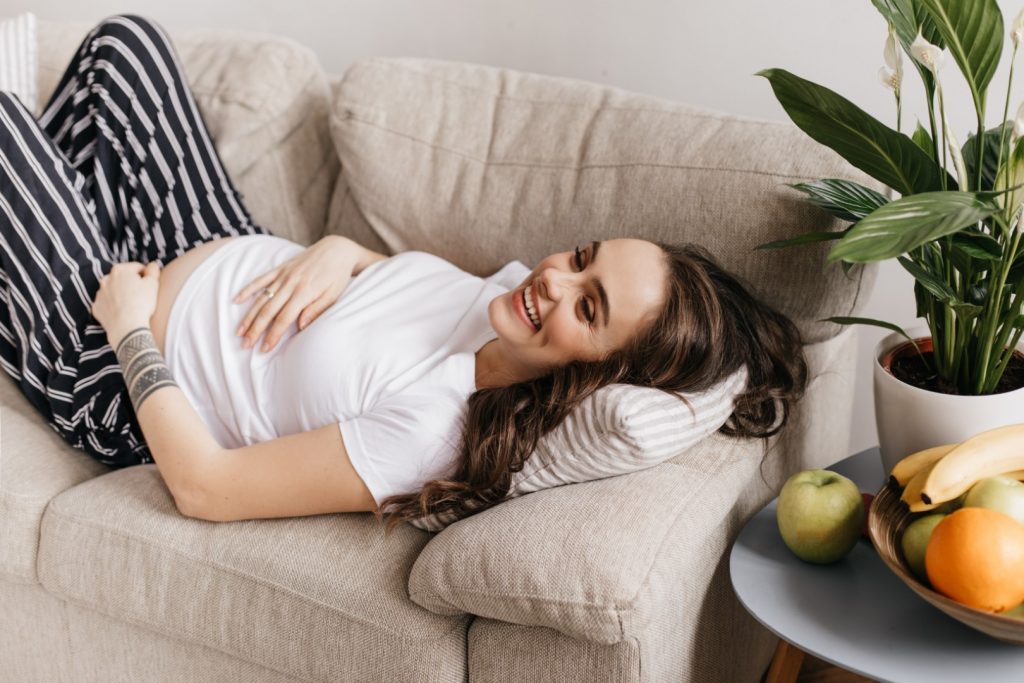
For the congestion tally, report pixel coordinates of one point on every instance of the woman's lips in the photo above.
(521, 308)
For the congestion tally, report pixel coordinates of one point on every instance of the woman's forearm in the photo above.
(178, 438)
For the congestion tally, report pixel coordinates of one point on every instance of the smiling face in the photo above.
(588, 304)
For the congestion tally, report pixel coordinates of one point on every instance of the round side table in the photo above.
(856, 613)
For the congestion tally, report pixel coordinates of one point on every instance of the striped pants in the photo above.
(119, 167)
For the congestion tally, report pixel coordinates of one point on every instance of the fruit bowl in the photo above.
(889, 516)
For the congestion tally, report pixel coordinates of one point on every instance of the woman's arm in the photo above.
(365, 257)
(178, 438)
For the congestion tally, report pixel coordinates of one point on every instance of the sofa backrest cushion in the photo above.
(265, 101)
(481, 165)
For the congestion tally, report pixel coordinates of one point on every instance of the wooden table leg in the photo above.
(786, 663)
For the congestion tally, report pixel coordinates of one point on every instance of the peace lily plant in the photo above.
(956, 224)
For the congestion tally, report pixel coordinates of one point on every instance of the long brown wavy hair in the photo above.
(709, 326)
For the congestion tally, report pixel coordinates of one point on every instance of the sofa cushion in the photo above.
(480, 164)
(322, 598)
(265, 101)
(575, 558)
(510, 561)
(35, 465)
(19, 57)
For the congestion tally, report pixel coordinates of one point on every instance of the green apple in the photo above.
(915, 540)
(820, 514)
(1001, 493)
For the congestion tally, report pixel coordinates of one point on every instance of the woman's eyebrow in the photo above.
(596, 244)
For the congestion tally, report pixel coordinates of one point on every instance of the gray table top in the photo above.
(856, 613)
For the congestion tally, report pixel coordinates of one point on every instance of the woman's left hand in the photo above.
(126, 298)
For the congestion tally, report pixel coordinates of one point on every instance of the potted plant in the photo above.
(956, 225)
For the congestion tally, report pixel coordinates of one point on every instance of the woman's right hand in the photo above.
(304, 287)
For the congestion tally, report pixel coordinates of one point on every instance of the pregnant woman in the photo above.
(134, 288)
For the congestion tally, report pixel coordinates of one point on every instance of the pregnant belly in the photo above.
(172, 278)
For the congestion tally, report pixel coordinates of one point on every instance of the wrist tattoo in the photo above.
(143, 365)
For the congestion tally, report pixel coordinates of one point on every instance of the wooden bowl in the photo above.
(889, 516)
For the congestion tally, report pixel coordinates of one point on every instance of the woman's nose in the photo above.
(552, 281)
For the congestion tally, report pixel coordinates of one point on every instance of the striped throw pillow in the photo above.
(618, 429)
(19, 58)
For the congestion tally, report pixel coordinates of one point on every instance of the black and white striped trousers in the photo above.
(119, 167)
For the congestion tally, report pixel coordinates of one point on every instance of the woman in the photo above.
(441, 393)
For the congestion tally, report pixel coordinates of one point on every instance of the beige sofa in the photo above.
(622, 579)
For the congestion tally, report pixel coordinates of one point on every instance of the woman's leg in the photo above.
(125, 118)
(51, 262)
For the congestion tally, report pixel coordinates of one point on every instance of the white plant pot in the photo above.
(910, 419)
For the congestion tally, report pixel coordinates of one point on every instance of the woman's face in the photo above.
(577, 321)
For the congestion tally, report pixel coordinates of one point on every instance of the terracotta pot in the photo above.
(910, 419)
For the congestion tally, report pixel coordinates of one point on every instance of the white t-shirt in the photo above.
(392, 361)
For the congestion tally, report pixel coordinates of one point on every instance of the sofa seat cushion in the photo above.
(265, 101)
(321, 597)
(35, 465)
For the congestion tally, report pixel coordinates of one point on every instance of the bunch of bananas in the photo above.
(935, 476)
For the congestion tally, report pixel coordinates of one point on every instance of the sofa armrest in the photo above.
(580, 558)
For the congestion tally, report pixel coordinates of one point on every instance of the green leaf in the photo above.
(965, 311)
(906, 16)
(923, 139)
(976, 294)
(993, 136)
(858, 137)
(921, 298)
(973, 31)
(842, 198)
(978, 245)
(846, 320)
(803, 239)
(909, 222)
(939, 289)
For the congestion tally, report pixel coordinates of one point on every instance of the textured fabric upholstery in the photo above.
(262, 590)
(481, 165)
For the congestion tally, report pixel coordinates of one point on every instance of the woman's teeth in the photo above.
(528, 301)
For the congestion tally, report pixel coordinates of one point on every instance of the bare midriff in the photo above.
(172, 277)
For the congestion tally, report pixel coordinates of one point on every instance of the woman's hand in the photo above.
(303, 286)
(126, 298)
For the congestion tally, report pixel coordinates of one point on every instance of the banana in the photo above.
(905, 469)
(912, 492)
(992, 452)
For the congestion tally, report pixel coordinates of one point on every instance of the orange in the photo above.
(976, 557)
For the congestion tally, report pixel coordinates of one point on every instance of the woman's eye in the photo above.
(586, 304)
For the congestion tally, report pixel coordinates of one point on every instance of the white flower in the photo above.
(891, 77)
(1017, 29)
(1018, 123)
(928, 54)
(958, 157)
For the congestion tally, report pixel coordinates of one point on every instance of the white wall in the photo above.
(704, 53)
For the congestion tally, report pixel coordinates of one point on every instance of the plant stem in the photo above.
(942, 115)
(898, 110)
(1016, 306)
(993, 307)
(1002, 135)
(935, 136)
